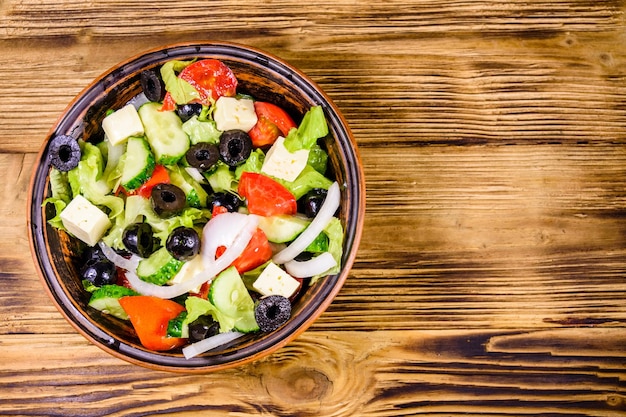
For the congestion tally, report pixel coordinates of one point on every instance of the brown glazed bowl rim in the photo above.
(239, 352)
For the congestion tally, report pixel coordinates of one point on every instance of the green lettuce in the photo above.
(61, 195)
(181, 91)
(201, 131)
(140, 209)
(197, 307)
(86, 179)
(334, 231)
(312, 128)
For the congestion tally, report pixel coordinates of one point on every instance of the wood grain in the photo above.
(490, 277)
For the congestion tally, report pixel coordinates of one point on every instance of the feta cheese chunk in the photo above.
(84, 220)
(274, 281)
(281, 163)
(231, 113)
(122, 124)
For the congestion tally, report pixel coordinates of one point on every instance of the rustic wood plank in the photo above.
(364, 373)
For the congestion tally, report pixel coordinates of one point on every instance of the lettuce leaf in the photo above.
(334, 231)
(201, 131)
(86, 179)
(181, 91)
(197, 307)
(312, 127)
(140, 209)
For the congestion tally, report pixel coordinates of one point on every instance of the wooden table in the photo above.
(491, 278)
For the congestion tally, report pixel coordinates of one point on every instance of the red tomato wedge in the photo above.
(159, 176)
(255, 254)
(150, 316)
(272, 121)
(210, 77)
(263, 133)
(265, 196)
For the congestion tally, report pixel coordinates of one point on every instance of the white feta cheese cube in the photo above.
(281, 163)
(84, 220)
(120, 125)
(231, 113)
(275, 281)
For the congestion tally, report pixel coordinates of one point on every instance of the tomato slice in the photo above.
(255, 254)
(265, 196)
(272, 121)
(210, 77)
(276, 115)
(159, 176)
(263, 133)
(149, 317)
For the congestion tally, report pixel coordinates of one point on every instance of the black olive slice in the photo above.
(139, 239)
(271, 312)
(235, 147)
(152, 85)
(183, 243)
(202, 156)
(64, 153)
(230, 201)
(100, 272)
(311, 202)
(187, 111)
(167, 200)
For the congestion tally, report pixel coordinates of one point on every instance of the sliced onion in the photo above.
(209, 343)
(221, 231)
(324, 216)
(312, 267)
(119, 261)
(210, 270)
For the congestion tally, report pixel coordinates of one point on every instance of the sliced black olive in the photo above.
(138, 238)
(271, 312)
(64, 153)
(183, 243)
(167, 199)
(152, 85)
(187, 111)
(99, 273)
(235, 147)
(311, 202)
(202, 328)
(92, 254)
(202, 156)
(229, 201)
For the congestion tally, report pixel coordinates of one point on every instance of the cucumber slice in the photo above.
(164, 132)
(283, 228)
(231, 297)
(159, 268)
(106, 299)
(138, 163)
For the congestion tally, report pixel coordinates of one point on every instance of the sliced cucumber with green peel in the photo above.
(106, 299)
(231, 297)
(283, 228)
(159, 268)
(138, 163)
(165, 133)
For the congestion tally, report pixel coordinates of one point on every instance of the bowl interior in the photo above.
(264, 77)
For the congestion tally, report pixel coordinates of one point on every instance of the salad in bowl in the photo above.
(196, 207)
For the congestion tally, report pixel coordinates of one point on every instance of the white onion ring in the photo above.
(119, 261)
(209, 343)
(210, 270)
(319, 223)
(312, 267)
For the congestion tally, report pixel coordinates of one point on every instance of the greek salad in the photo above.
(203, 213)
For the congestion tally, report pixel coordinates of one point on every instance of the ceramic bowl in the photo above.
(265, 77)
